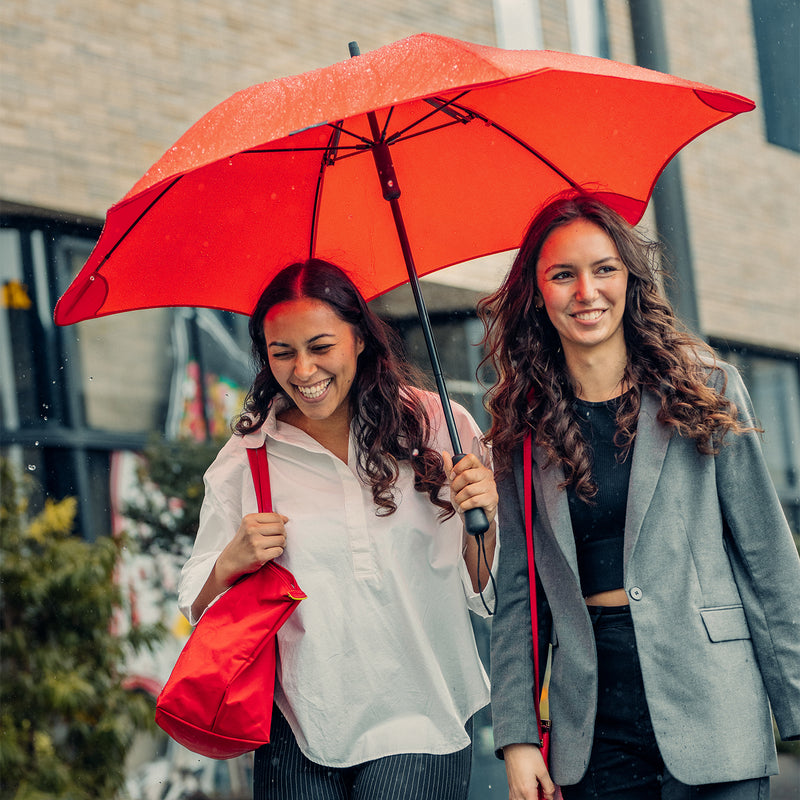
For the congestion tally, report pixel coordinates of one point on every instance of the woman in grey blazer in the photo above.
(669, 582)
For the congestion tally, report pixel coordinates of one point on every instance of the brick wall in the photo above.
(742, 194)
(93, 91)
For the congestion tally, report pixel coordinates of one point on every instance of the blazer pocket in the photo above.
(725, 623)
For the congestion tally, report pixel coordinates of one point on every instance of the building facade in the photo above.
(92, 92)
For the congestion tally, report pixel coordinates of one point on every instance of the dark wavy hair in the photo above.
(534, 391)
(390, 423)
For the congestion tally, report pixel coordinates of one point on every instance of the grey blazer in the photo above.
(713, 578)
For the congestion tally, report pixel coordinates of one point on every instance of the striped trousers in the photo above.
(282, 772)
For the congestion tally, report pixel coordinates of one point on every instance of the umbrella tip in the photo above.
(355, 50)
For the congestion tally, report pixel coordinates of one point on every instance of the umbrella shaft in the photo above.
(476, 522)
(425, 322)
(391, 192)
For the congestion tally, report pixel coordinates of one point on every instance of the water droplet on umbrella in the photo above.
(31, 467)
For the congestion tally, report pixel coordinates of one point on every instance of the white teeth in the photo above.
(589, 315)
(314, 391)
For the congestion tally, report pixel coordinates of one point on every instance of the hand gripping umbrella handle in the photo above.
(475, 520)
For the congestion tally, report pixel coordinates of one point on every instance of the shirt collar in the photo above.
(270, 425)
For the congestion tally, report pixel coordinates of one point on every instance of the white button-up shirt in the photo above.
(380, 658)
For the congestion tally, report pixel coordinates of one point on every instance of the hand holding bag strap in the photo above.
(528, 512)
(259, 466)
(218, 699)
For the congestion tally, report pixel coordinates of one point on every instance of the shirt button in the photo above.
(635, 593)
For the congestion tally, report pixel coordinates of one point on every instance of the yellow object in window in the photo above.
(15, 295)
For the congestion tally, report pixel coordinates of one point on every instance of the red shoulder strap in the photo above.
(528, 511)
(260, 469)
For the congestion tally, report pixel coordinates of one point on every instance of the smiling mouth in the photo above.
(315, 390)
(589, 316)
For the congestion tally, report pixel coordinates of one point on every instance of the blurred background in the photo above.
(124, 413)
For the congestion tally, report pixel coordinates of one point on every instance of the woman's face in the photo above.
(582, 281)
(313, 355)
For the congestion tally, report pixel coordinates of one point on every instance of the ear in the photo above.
(538, 301)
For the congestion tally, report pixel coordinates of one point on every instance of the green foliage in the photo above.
(167, 512)
(66, 722)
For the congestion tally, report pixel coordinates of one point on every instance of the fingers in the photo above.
(260, 538)
(448, 462)
(264, 524)
(471, 484)
(527, 773)
(548, 788)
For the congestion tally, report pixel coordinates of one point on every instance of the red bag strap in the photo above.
(260, 469)
(528, 511)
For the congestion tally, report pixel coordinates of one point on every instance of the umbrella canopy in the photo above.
(478, 138)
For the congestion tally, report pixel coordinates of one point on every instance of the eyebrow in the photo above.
(313, 339)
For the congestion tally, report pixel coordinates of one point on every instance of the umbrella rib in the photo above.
(134, 224)
(441, 108)
(521, 143)
(261, 150)
(325, 161)
(386, 124)
(340, 127)
(392, 140)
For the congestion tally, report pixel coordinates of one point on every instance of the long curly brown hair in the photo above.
(534, 390)
(389, 423)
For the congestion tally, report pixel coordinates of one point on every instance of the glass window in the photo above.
(214, 345)
(457, 338)
(777, 31)
(16, 352)
(123, 361)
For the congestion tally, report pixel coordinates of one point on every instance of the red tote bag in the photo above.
(218, 699)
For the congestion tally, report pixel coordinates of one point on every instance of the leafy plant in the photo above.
(66, 722)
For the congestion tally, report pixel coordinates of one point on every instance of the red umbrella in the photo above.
(476, 137)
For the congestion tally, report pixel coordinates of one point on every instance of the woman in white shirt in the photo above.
(378, 674)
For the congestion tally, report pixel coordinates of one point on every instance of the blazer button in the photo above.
(635, 593)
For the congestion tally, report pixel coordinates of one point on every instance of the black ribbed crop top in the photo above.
(599, 526)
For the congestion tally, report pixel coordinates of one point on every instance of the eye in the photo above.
(321, 348)
(280, 355)
(611, 267)
(561, 276)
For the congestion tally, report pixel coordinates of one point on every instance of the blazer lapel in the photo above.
(649, 450)
(555, 505)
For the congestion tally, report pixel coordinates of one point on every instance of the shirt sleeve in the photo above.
(764, 559)
(472, 442)
(512, 674)
(220, 516)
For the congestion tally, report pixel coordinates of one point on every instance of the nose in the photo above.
(304, 366)
(586, 288)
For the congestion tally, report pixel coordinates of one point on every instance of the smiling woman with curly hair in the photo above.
(666, 565)
(379, 675)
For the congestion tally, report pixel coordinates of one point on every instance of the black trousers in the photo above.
(625, 763)
(282, 772)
